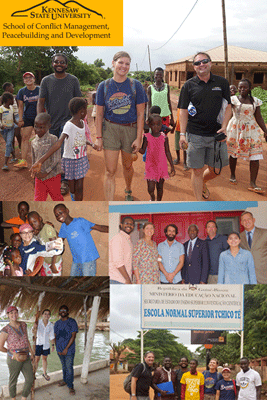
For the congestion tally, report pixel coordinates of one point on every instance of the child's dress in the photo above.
(156, 160)
(243, 133)
(75, 163)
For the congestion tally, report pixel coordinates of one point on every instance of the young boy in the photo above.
(47, 181)
(78, 234)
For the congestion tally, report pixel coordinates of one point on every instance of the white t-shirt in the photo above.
(248, 381)
(75, 144)
(7, 116)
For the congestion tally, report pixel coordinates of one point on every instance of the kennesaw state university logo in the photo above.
(54, 9)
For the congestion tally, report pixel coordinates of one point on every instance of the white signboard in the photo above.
(216, 307)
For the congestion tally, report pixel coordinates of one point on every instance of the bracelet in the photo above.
(183, 134)
(99, 137)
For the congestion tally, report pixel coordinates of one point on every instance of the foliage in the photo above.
(142, 76)
(162, 342)
(99, 63)
(117, 349)
(262, 95)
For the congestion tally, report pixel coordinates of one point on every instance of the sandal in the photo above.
(205, 192)
(62, 383)
(256, 190)
(64, 188)
(128, 196)
(233, 181)
(47, 377)
(72, 391)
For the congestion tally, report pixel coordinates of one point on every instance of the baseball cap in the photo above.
(226, 369)
(11, 308)
(28, 73)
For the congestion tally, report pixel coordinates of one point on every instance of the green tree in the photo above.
(99, 63)
(117, 349)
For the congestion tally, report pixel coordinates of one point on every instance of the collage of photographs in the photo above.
(133, 212)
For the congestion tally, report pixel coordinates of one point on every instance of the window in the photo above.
(170, 75)
(227, 225)
(238, 76)
(258, 77)
(175, 76)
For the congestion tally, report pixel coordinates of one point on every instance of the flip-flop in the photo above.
(72, 391)
(233, 181)
(256, 190)
(205, 193)
(47, 377)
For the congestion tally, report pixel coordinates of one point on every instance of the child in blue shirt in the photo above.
(77, 231)
(226, 387)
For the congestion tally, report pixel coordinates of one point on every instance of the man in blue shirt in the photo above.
(65, 333)
(172, 256)
(216, 243)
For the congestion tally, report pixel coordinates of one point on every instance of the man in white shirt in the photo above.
(45, 334)
(248, 382)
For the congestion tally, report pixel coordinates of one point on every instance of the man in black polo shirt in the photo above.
(142, 378)
(200, 103)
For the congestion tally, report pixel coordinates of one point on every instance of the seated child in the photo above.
(78, 234)
(45, 233)
(47, 180)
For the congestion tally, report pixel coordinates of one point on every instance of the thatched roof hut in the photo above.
(75, 292)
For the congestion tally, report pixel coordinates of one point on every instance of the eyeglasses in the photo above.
(205, 61)
(26, 233)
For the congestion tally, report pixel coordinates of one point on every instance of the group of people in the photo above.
(236, 259)
(58, 114)
(189, 384)
(32, 238)
(20, 355)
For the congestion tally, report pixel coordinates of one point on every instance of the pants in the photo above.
(48, 186)
(67, 369)
(8, 135)
(15, 367)
(85, 269)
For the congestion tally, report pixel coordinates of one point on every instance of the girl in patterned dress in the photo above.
(157, 145)
(244, 135)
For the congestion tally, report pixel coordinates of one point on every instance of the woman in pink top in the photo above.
(18, 350)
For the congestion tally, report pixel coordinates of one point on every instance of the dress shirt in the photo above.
(44, 334)
(193, 244)
(237, 270)
(120, 254)
(170, 259)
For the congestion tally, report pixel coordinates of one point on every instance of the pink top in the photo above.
(156, 160)
(17, 338)
(120, 253)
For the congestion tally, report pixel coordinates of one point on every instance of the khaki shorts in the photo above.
(118, 137)
(200, 152)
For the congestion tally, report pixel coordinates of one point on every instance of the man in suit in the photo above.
(255, 240)
(196, 265)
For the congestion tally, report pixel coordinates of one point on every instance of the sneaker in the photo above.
(5, 168)
(12, 160)
(21, 164)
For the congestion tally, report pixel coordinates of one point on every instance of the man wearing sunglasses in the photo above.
(200, 104)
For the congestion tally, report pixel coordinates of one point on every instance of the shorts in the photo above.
(200, 152)
(40, 351)
(75, 168)
(118, 137)
(28, 122)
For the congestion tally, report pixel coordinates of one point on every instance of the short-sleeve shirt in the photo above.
(170, 259)
(29, 98)
(211, 379)
(16, 341)
(57, 94)
(7, 116)
(78, 234)
(44, 334)
(120, 101)
(226, 388)
(144, 380)
(207, 99)
(193, 383)
(216, 246)
(44, 236)
(248, 381)
(16, 221)
(75, 143)
(63, 332)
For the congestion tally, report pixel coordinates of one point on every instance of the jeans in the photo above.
(8, 135)
(83, 269)
(67, 369)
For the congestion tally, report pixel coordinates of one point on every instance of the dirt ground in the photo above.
(18, 185)
(116, 388)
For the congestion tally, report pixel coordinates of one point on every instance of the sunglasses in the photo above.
(205, 61)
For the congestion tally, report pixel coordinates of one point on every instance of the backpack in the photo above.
(128, 380)
(132, 83)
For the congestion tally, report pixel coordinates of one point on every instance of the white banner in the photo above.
(216, 307)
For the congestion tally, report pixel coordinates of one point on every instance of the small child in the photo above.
(157, 145)
(16, 240)
(47, 180)
(12, 259)
(233, 90)
(78, 234)
(9, 87)
(226, 387)
(7, 118)
(74, 162)
(236, 265)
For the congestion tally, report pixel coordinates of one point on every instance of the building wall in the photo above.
(96, 212)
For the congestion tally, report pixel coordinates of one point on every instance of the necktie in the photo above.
(249, 239)
(190, 251)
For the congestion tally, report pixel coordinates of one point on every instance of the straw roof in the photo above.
(72, 291)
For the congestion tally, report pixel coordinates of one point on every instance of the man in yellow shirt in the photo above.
(192, 383)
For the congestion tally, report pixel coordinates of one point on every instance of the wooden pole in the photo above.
(151, 74)
(90, 340)
(85, 320)
(226, 69)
